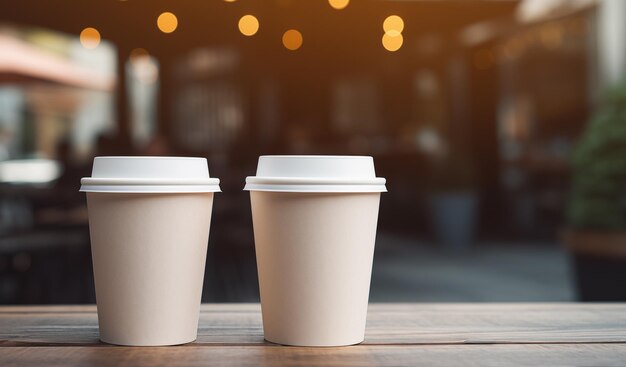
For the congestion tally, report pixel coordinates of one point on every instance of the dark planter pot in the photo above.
(599, 262)
(454, 219)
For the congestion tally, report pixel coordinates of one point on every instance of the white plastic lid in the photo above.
(315, 173)
(149, 175)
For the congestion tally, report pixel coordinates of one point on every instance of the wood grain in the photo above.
(397, 335)
(415, 355)
(240, 324)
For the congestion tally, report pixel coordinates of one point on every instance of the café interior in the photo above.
(472, 111)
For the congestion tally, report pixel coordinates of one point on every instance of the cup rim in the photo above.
(321, 185)
(316, 156)
(148, 157)
(148, 185)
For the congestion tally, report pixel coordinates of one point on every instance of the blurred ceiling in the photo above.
(351, 33)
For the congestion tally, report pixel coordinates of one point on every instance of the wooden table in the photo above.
(397, 335)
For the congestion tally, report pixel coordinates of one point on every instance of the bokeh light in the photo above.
(392, 42)
(394, 25)
(248, 25)
(144, 67)
(138, 53)
(292, 39)
(90, 38)
(167, 22)
(339, 4)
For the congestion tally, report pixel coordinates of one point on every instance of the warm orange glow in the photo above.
(339, 4)
(393, 25)
(248, 25)
(551, 36)
(230, 1)
(292, 39)
(90, 38)
(167, 22)
(483, 59)
(392, 42)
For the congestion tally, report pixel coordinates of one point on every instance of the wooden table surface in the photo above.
(515, 334)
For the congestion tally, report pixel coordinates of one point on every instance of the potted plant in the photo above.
(454, 201)
(596, 213)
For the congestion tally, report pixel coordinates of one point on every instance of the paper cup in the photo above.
(314, 239)
(149, 221)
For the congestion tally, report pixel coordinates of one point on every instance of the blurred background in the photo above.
(499, 125)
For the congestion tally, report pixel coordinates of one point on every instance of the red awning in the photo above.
(21, 62)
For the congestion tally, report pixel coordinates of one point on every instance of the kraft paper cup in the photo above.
(149, 220)
(315, 221)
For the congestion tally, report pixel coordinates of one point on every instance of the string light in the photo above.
(393, 25)
(338, 4)
(167, 22)
(248, 25)
(90, 38)
(138, 53)
(392, 42)
(292, 39)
